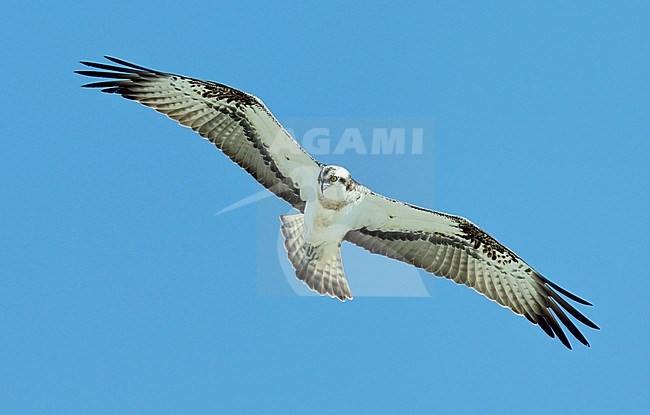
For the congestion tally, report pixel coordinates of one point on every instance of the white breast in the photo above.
(326, 225)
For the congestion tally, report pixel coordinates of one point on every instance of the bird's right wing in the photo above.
(453, 247)
(239, 124)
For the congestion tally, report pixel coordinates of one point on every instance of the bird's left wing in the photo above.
(453, 247)
(239, 124)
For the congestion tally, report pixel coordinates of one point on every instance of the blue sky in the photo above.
(122, 291)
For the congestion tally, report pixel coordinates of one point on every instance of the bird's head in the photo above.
(335, 186)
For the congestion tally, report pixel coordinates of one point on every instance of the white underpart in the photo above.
(448, 246)
(327, 226)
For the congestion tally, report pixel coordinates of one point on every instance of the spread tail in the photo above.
(316, 266)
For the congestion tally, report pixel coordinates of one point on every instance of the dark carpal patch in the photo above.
(218, 91)
(479, 238)
(131, 81)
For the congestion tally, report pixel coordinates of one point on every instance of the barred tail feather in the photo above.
(322, 274)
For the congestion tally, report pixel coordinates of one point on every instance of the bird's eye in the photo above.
(333, 179)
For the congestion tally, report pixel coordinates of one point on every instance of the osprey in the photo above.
(333, 207)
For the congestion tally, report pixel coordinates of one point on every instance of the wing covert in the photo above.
(239, 124)
(453, 247)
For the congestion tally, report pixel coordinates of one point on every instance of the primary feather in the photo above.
(334, 207)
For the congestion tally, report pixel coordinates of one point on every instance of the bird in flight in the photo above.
(333, 207)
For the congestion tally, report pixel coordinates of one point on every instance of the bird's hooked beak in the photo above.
(324, 184)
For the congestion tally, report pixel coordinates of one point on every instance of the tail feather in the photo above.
(322, 274)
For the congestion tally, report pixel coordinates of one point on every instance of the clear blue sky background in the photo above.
(122, 292)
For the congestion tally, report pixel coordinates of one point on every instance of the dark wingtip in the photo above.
(585, 302)
(103, 84)
(129, 64)
(572, 310)
(545, 326)
(109, 75)
(565, 292)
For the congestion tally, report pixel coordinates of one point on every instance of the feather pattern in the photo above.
(239, 124)
(323, 275)
(453, 247)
